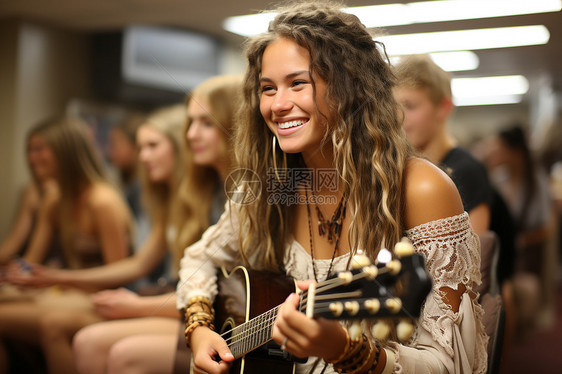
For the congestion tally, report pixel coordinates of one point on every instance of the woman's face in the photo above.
(41, 158)
(121, 152)
(287, 100)
(204, 137)
(156, 153)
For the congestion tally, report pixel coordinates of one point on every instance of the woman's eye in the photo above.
(266, 89)
(298, 83)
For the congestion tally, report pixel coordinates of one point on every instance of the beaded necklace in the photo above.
(331, 227)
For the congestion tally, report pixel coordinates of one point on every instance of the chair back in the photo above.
(491, 301)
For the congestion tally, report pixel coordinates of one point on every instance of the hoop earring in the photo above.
(274, 145)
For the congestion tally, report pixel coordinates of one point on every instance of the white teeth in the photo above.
(289, 124)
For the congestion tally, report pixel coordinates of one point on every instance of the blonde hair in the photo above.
(420, 72)
(222, 94)
(158, 196)
(369, 146)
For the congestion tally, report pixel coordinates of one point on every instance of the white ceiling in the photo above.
(207, 16)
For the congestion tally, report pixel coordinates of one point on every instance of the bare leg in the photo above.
(92, 344)
(20, 320)
(57, 331)
(144, 354)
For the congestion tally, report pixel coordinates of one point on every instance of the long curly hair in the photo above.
(369, 147)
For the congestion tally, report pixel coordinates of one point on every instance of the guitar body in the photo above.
(244, 294)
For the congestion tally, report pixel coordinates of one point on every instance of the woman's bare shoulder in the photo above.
(104, 195)
(430, 193)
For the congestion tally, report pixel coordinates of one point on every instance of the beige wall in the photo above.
(41, 69)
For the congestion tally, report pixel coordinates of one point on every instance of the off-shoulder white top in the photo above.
(444, 341)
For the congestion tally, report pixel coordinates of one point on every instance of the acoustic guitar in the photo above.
(248, 301)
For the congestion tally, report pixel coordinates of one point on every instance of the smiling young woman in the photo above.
(318, 101)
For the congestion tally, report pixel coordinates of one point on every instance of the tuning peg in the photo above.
(373, 306)
(393, 305)
(403, 248)
(345, 276)
(360, 260)
(336, 309)
(394, 267)
(352, 307)
(355, 331)
(371, 271)
(404, 330)
(381, 330)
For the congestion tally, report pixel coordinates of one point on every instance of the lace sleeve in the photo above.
(451, 249)
(444, 340)
(198, 267)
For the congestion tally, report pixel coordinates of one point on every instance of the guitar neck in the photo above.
(252, 334)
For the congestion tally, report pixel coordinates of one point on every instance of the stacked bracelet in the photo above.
(359, 356)
(198, 312)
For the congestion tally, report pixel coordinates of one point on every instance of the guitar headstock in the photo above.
(393, 290)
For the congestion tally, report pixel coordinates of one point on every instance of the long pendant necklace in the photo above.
(332, 227)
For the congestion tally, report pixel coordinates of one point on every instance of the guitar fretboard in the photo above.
(252, 334)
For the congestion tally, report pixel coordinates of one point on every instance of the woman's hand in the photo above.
(210, 352)
(117, 304)
(23, 273)
(303, 336)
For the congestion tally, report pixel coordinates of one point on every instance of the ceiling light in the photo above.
(418, 12)
(507, 89)
(249, 25)
(488, 100)
(450, 61)
(448, 10)
(442, 41)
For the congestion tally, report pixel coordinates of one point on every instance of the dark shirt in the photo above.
(470, 177)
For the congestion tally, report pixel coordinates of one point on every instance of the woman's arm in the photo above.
(122, 303)
(112, 223)
(451, 337)
(112, 275)
(44, 232)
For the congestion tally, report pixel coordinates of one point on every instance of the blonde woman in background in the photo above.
(85, 212)
(148, 345)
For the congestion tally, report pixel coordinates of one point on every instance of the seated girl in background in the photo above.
(148, 344)
(88, 215)
(318, 91)
(42, 168)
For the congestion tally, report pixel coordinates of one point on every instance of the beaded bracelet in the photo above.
(199, 312)
(358, 357)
